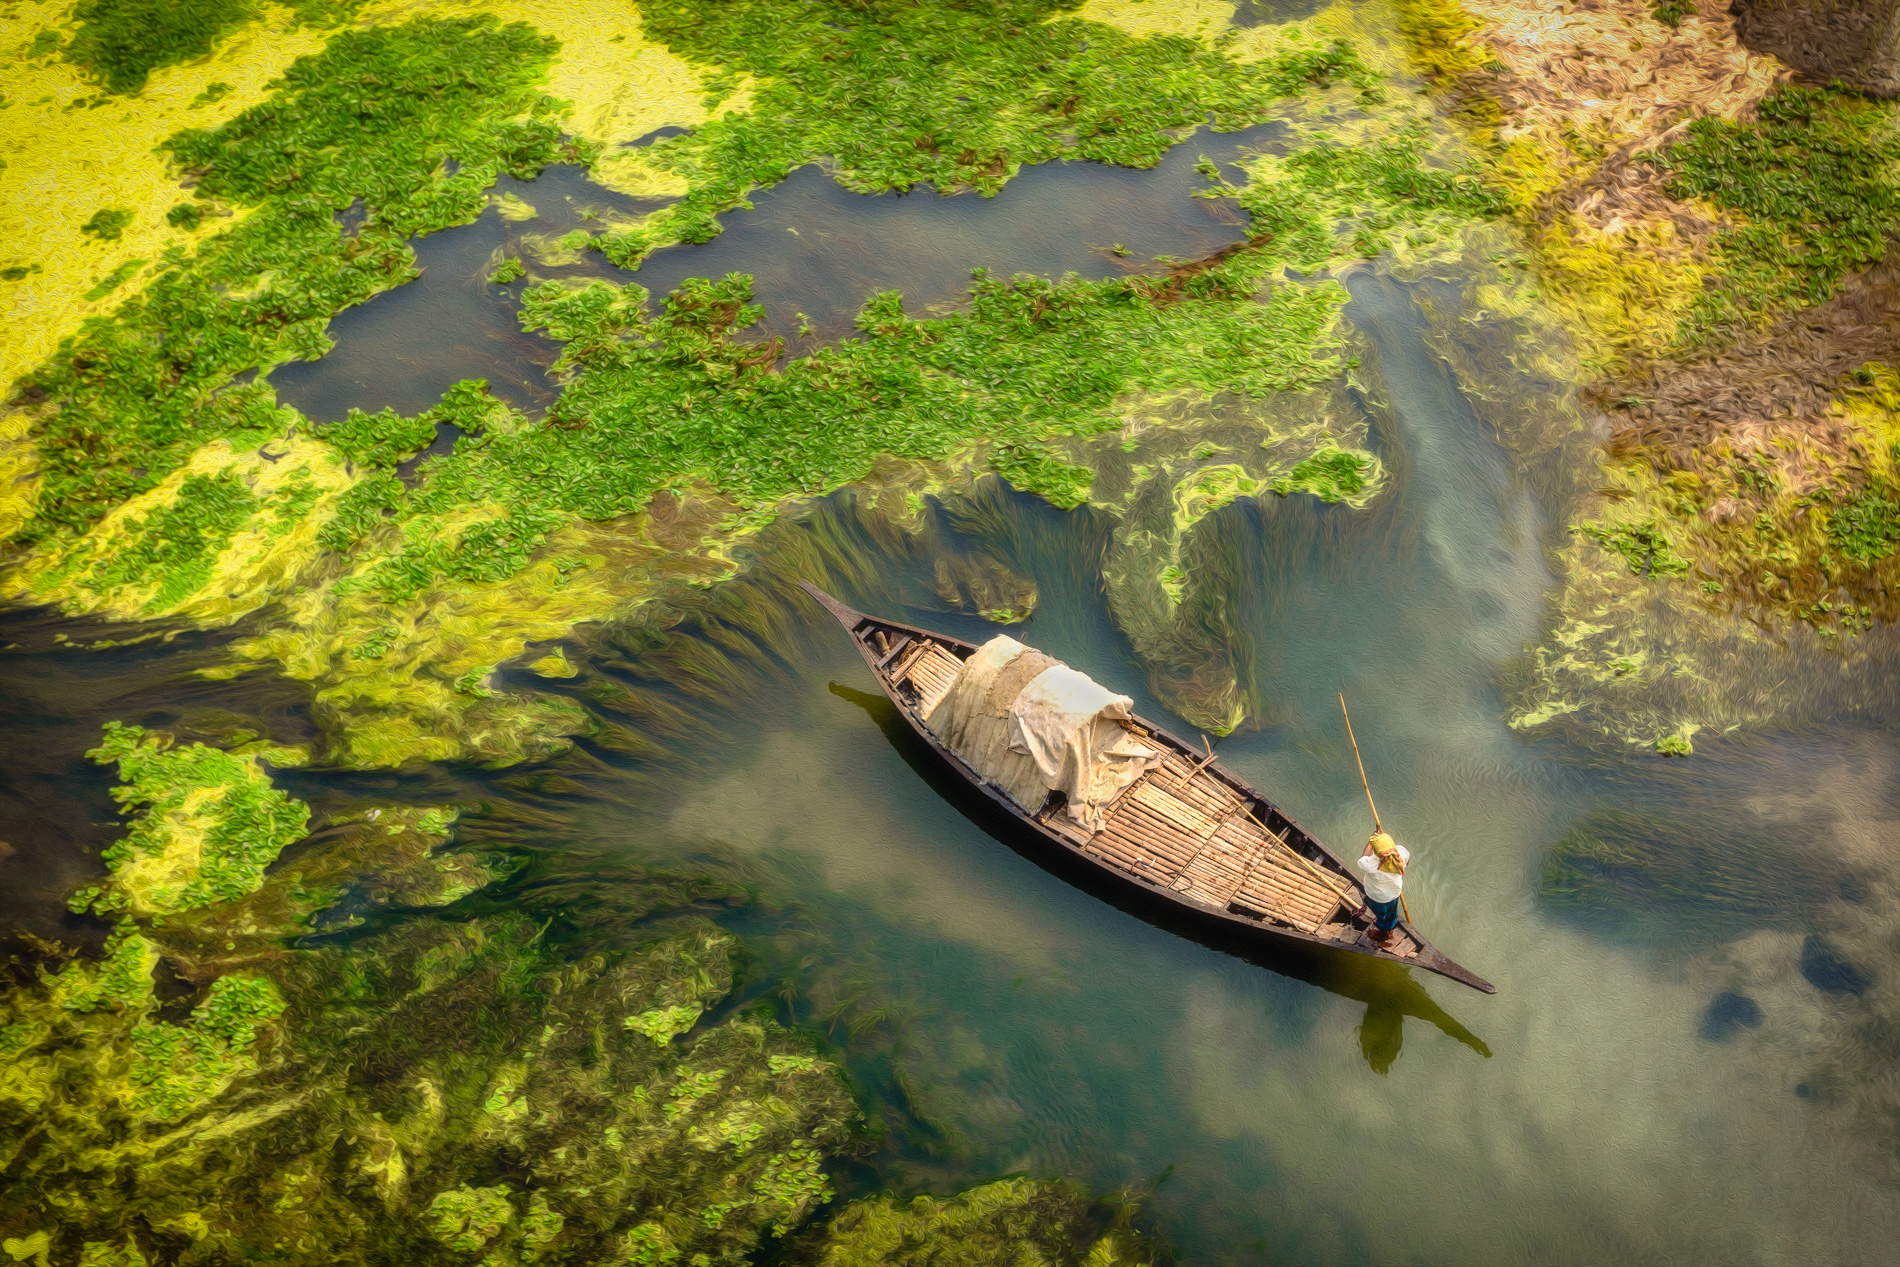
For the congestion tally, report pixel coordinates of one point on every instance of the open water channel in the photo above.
(1282, 1107)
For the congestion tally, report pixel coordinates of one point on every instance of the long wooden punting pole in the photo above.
(1376, 824)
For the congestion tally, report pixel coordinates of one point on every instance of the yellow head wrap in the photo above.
(1388, 851)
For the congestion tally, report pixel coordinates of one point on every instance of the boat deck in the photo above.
(1181, 828)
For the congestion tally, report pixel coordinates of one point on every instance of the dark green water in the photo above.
(1286, 1107)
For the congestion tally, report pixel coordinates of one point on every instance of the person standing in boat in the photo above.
(1382, 871)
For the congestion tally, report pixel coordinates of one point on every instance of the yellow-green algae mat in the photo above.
(146, 482)
(353, 1102)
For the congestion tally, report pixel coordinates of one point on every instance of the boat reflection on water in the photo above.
(1390, 992)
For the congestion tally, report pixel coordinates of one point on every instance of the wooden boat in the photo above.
(1188, 831)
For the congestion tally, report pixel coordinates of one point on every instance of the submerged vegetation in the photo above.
(1008, 1223)
(428, 1082)
(1674, 879)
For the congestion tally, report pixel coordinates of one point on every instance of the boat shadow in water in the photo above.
(1389, 991)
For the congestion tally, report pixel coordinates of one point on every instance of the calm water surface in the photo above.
(815, 251)
(1285, 1107)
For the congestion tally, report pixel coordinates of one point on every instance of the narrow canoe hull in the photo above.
(883, 643)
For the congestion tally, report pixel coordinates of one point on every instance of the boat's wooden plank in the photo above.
(1344, 888)
(1302, 890)
(1171, 846)
(933, 671)
(1263, 877)
(1272, 867)
(1158, 862)
(901, 672)
(1058, 821)
(1242, 832)
(1274, 890)
(1156, 799)
(1139, 809)
(1205, 785)
(1277, 864)
(934, 666)
(898, 646)
(1214, 874)
(1197, 787)
(1219, 857)
(1265, 891)
(1139, 816)
(1133, 858)
(1156, 835)
(1211, 874)
(1276, 851)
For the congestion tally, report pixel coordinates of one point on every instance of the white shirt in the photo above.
(1382, 886)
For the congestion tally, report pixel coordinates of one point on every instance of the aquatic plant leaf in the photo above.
(1866, 526)
(1644, 546)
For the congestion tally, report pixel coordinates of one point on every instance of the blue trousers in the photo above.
(1385, 913)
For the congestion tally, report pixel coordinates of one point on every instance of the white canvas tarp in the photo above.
(1032, 725)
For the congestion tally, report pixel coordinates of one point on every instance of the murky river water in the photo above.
(1285, 1107)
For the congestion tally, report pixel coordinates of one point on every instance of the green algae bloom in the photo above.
(208, 823)
(139, 515)
(123, 41)
(956, 96)
(1810, 182)
(524, 1084)
(1332, 475)
(108, 224)
(376, 116)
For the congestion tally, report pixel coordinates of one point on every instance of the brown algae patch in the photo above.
(1565, 101)
(1696, 225)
